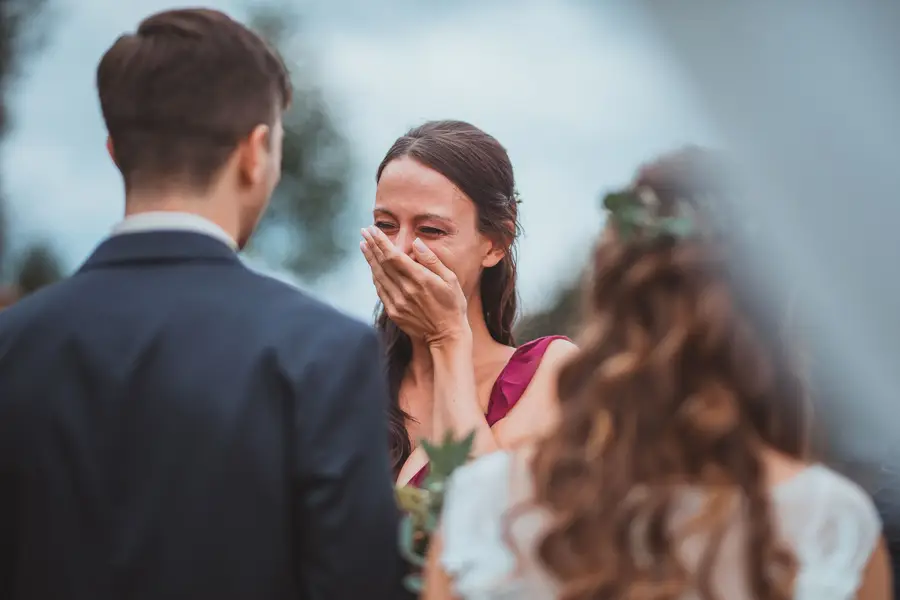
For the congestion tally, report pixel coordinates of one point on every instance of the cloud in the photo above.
(578, 101)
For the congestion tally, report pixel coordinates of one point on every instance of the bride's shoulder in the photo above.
(490, 471)
(832, 520)
(485, 488)
(473, 525)
(481, 493)
(815, 484)
(828, 488)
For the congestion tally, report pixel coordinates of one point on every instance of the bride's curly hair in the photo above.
(680, 382)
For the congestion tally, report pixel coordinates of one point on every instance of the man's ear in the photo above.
(110, 149)
(252, 153)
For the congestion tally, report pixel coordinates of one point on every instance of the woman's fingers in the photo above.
(403, 284)
(395, 263)
(377, 251)
(388, 291)
(385, 254)
(382, 244)
(430, 261)
(381, 254)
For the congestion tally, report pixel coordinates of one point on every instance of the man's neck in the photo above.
(204, 207)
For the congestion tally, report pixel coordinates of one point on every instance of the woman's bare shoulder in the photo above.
(536, 412)
(558, 353)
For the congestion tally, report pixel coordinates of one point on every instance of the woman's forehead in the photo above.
(410, 188)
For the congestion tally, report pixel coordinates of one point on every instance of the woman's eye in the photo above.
(382, 225)
(431, 231)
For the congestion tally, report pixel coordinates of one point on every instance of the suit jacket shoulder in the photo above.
(309, 328)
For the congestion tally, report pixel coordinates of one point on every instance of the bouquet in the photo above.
(422, 506)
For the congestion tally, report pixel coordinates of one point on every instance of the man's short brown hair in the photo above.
(179, 94)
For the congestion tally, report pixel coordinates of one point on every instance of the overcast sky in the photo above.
(579, 95)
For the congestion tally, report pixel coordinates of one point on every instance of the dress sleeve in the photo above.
(838, 529)
(474, 554)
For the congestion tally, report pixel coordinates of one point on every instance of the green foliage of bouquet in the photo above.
(422, 506)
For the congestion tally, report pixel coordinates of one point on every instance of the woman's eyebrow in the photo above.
(384, 211)
(433, 217)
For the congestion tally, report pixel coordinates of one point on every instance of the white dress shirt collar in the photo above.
(172, 221)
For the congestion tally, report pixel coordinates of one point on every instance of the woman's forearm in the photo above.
(456, 405)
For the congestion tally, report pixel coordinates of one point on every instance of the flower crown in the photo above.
(634, 213)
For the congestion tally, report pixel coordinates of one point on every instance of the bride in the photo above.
(676, 470)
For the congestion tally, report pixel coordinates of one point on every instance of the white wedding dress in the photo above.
(830, 523)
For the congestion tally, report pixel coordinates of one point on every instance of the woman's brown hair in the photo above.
(682, 379)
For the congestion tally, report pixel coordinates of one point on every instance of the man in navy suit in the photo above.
(172, 424)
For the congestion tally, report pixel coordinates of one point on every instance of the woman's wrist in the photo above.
(452, 342)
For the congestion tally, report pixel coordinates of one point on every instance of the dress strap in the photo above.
(516, 376)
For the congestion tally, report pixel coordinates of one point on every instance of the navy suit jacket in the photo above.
(176, 426)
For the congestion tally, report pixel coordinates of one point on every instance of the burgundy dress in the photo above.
(510, 385)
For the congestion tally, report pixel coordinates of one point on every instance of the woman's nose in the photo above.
(404, 241)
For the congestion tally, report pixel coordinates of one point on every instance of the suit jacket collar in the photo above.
(159, 247)
(172, 221)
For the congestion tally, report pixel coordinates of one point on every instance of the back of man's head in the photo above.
(182, 92)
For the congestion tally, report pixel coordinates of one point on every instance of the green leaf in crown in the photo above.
(422, 506)
(632, 218)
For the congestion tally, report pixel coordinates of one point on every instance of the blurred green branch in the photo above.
(302, 230)
(37, 266)
(23, 30)
(559, 318)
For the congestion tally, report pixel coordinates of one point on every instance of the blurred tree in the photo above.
(560, 318)
(302, 230)
(38, 266)
(20, 34)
